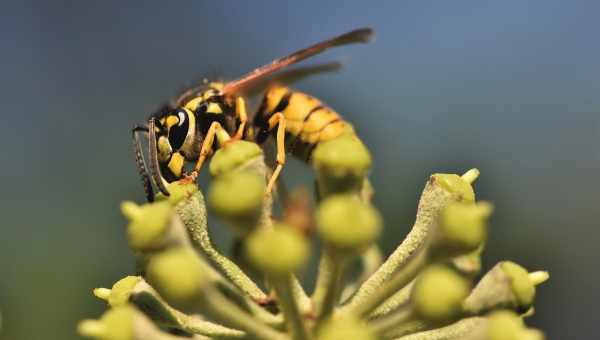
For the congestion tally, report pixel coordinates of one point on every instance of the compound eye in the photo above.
(179, 131)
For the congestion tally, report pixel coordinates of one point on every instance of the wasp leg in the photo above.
(206, 148)
(240, 112)
(279, 120)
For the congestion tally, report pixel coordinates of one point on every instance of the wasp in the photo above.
(184, 130)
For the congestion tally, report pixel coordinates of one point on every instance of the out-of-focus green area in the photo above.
(510, 87)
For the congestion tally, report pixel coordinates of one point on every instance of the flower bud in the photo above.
(341, 164)
(177, 276)
(457, 185)
(278, 250)
(506, 325)
(522, 287)
(124, 322)
(115, 324)
(507, 285)
(347, 224)
(148, 224)
(462, 228)
(438, 293)
(233, 156)
(238, 198)
(178, 191)
(120, 292)
(346, 328)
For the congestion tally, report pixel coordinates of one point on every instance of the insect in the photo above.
(184, 131)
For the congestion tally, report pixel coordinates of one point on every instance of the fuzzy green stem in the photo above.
(323, 277)
(329, 284)
(276, 321)
(287, 303)
(434, 197)
(404, 275)
(148, 300)
(408, 327)
(458, 330)
(193, 214)
(399, 298)
(302, 299)
(232, 316)
(398, 318)
(370, 260)
(195, 325)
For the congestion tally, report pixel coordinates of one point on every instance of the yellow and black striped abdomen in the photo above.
(308, 120)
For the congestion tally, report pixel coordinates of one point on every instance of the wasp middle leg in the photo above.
(241, 113)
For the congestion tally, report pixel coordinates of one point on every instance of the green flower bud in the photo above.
(341, 164)
(438, 293)
(115, 324)
(532, 334)
(505, 325)
(137, 292)
(507, 285)
(457, 185)
(177, 276)
(277, 251)
(462, 228)
(120, 292)
(178, 191)
(348, 224)
(238, 199)
(148, 224)
(233, 156)
(522, 287)
(346, 328)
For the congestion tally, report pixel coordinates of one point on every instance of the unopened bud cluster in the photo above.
(430, 287)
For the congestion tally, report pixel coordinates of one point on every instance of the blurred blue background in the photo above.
(510, 87)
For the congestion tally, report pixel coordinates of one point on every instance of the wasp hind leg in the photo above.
(279, 120)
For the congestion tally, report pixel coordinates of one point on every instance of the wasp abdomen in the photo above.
(308, 120)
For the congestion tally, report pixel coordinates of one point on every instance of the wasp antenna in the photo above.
(361, 35)
(140, 163)
(154, 167)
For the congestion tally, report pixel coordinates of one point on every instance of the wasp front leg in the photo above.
(241, 113)
(206, 148)
(277, 120)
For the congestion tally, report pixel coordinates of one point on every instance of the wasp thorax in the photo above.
(207, 101)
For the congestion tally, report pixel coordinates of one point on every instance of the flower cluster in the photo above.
(430, 287)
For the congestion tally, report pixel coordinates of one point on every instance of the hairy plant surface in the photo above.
(430, 287)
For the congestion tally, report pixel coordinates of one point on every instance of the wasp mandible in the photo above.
(185, 130)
